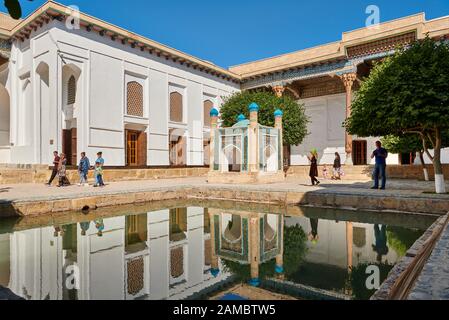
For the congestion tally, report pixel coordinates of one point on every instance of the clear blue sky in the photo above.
(231, 32)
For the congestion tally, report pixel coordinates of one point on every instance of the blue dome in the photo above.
(253, 107)
(215, 272)
(278, 113)
(279, 269)
(241, 118)
(214, 112)
(255, 282)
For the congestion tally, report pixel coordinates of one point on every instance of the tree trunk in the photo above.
(423, 164)
(440, 186)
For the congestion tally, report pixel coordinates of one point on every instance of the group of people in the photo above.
(60, 170)
(337, 171)
(379, 154)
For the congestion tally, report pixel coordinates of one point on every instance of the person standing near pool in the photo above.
(313, 173)
(380, 154)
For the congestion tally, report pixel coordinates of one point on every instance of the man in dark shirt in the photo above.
(55, 167)
(381, 164)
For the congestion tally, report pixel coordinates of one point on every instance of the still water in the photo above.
(190, 250)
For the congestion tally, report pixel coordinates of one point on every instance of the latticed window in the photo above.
(134, 99)
(208, 105)
(176, 107)
(71, 90)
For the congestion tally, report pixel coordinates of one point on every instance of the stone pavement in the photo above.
(37, 192)
(433, 282)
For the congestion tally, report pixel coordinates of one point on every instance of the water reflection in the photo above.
(180, 252)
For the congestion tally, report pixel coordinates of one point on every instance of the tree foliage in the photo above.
(294, 119)
(295, 248)
(407, 93)
(404, 143)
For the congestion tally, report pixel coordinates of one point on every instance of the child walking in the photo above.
(98, 175)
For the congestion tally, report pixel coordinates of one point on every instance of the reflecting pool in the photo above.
(194, 249)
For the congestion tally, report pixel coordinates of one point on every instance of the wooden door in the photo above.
(359, 151)
(131, 148)
(142, 149)
(136, 148)
(67, 145)
(69, 142)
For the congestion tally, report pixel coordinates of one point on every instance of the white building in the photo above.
(101, 88)
(71, 82)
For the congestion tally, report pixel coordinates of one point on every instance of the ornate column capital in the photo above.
(278, 90)
(348, 79)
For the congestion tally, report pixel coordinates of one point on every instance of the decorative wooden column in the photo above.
(279, 269)
(279, 90)
(253, 135)
(213, 126)
(349, 246)
(254, 249)
(278, 114)
(348, 81)
(215, 266)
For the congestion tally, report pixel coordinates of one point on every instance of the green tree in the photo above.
(407, 93)
(294, 119)
(410, 143)
(406, 143)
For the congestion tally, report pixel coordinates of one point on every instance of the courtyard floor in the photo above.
(30, 192)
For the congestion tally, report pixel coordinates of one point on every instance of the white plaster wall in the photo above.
(158, 238)
(101, 121)
(36, 264)
(326, 133)
(444, 157)
(107, 283)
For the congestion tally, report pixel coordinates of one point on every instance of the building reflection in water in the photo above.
(176, 253)
(247, 238)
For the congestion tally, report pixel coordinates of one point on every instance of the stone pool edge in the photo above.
(322, 198)
(399, 268)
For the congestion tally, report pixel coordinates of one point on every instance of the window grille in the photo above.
(134, 99)
(176, 107)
